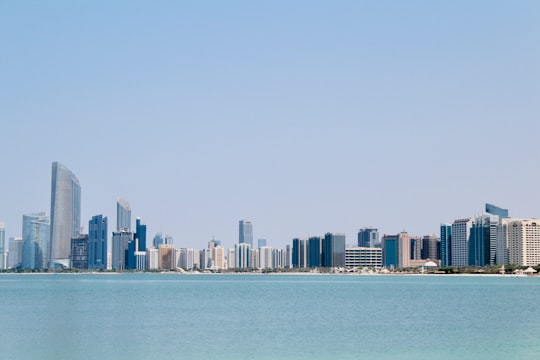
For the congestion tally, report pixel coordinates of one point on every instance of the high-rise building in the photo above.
(483, 240)
(416, 247)
(3, 251)
(97, 242)
(397, 250)
(120, 241)
(261, 243)
(140, 235)
(79, 252)
(314, 250)
(461, 233)
(333, 250)
(245, 228)
(36, 241)
(446, 245)
(166, 257)
(242, 253)
(265, 257)
(65, 214)
(123, 215)
(524, 242)
(368, 237)
(503, 234)
(495, 210)
(299, 253)
(15, 252)
(430, 247)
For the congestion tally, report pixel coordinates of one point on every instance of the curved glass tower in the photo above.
(65, 213)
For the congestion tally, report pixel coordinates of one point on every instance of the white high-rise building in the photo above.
(231, 258)
(524, 242)
(461, 232)
(265, 258)
(501, 256)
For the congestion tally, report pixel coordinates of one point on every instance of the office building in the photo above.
(242, 253)
(333, 250)
(152, 259)
(97, 242)
(299, 253)
(160, 239)
(218, 257)
(314, 249)
(524, 242)
(431, 247)
(65, 214)
(265, 258)
(79, 252)
(140, 235)
(461, 232)
(363, 257)
(502, 253)
(483, 240)
(166, 257)
(3, 250)
(368, 237)
(245, 228)
(120, 242)
(416, 248)
(15, 252)
(36, 241)
(446, 245)
(123, 215)
(231, 258)
(261, 243)
(397, 250)
(495, 210)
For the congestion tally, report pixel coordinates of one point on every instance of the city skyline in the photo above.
(305, 117)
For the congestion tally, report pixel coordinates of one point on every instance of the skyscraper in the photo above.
(15, 252)
(120, 241)
(3, 252)
(65, 214)
(36, 241)
(314, 252)
(140, 235)
(368, 237)
(79, 252)
(461, 233)
(245, 232)
(483, 240)
(446, 248)
(495, 210)
(333, 250)
(123, 215)
(299, 253)
(97, 242)
(397, 250)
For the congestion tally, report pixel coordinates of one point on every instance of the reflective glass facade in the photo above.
(36, 241)
(65, 213)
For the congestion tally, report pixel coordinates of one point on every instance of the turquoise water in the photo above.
(170, 316)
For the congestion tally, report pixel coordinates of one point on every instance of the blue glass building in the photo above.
(333, 253)
(368, 237)
(314, 251)
(446, 244)
(36, 241)
(245, 232)
(495, 210)
(390, 246)
(97, 242)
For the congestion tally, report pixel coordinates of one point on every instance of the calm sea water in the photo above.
(170, 316)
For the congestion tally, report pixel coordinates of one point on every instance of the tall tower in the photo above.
(65, 213)
(368, 237)
(3, 253)
(36, 241)
(97, 242)
(446, 247)
(123, 215)
(245, 232)
(459, 246)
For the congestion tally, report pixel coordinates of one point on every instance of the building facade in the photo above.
(446, 245)
(97, 242)
(79, 252)
(65, 214)
(123, 215)
(245, 232)
(36, 241)
(363, 257)
(368, 237)
(333, 250)
(461, 232)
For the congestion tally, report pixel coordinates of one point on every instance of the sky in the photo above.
(305, 117)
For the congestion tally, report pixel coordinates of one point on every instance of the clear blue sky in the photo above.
(303, 116)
